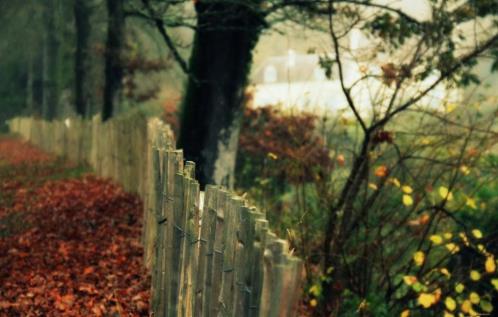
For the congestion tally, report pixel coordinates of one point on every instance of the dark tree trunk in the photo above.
(50, 51)
(38, 85)
(113, 61)
(213, 103)
(82, 24)
(30, 79)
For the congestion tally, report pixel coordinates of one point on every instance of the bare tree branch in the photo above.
(307, 4)
(444, 75)
(170, 24)
(169, 42)
(346, 91)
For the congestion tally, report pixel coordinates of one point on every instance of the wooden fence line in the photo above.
(210, 256)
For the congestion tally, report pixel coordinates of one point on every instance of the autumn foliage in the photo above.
(16, 152)
(68, 247)
(290, 140)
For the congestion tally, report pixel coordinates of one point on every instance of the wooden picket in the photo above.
(209, 254)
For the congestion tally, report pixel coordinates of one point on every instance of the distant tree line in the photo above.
(75, 57)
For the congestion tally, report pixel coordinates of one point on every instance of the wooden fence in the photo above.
(210, 253)
(116, 149)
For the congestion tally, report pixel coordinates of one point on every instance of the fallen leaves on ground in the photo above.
(17, 152)
(76, 249)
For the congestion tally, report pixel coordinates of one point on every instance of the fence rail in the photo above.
(210, 253)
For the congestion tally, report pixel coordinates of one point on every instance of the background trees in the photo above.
(51, 43)
(14, 81)
(82, 12)
(57, 51)
(113, 56)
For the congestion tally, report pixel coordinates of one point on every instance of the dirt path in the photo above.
(69, 242)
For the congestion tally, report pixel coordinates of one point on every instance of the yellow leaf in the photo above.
(446, 314)
(409, 279)
(407, 189)
(474, 275)
(372, 186)
(464, 238)
(445, 193)
(459, 288)
(490, 264)
(273, 156)
(470, 202)
(453, 248)
(313, 302)
(494, 282)
(425, 141)
(466, 306)
(363, 305)
(445, 272)
(465, 170)
(316, 290)
(447, 235)
(450, 303)
(474, 298)
(405, 313)
(426, 300)
(450, 107)
(396, 182)
(407, 200)
(477, 233)
(419, 258)
(436, 239)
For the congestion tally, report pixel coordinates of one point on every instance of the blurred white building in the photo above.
(298, 82)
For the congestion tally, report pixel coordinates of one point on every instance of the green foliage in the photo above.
(392, 29)
(422, 221)
(372, 305)
(485, 187)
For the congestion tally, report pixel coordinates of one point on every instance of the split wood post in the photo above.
(229, 255)
(204, 278)
(156, 202)
(166, 240)
(217, 255)
(190, 253)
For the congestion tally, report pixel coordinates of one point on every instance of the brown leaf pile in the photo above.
(17, 152)
(68, 247)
